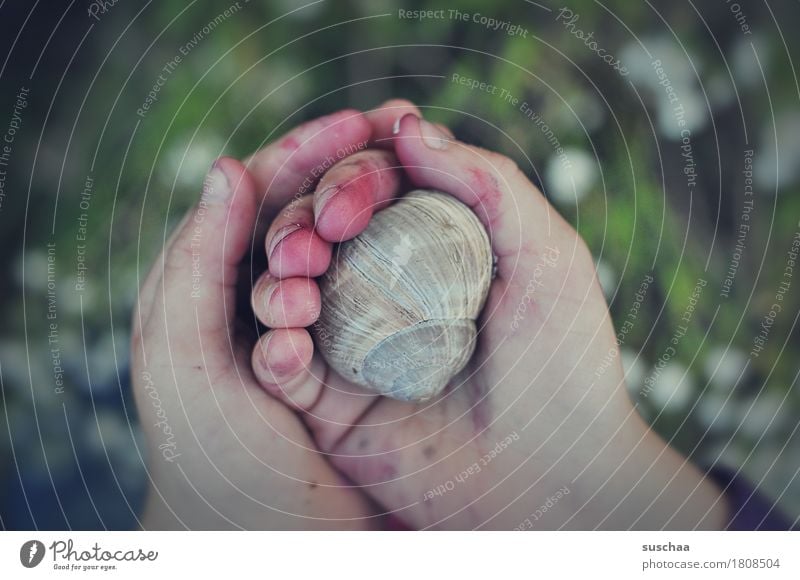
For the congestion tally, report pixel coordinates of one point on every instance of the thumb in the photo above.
(200, 266)
(516, 215)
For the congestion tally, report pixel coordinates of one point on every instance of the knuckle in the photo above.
(356, 161)
(362, 163)
(178, 258)
(506, 166)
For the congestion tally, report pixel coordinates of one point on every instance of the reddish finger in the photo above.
(294, 162)
(287, 303)
(281, 356)
(352, 191)
(293, 247)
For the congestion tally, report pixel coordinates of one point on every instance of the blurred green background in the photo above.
(73, 458)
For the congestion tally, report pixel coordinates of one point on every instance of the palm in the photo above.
(422, 458)
(233, 445)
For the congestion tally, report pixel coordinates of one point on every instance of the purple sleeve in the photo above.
(749, 510)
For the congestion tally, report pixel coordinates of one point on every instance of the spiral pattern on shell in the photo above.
(400, 301)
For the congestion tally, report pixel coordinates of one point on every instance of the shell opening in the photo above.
(418, 362)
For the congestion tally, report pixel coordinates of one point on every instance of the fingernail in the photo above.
(216, 188)
(261, 294)
(432, 136)
(264, 347)
(321, 200)
(280, 235)
(396, 125)
(268, 294)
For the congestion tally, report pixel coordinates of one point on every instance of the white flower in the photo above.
(749, 57)
(768, 411)
(717, 412)
(30, 370)
(693, 109)
(672, 388)
(18, 374)
(35, 273)
(774, 168)
(724, 366)
(70, 299)
(190, 161)
(680, 71)
(570, 184)
(679, 68)
(104, 358)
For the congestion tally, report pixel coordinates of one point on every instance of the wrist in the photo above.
(639, 482)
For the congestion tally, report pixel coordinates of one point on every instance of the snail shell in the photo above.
(400, 300)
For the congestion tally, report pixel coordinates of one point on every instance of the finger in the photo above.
(498, 193)
(200, 266)
(444, 129)
(339, 406)
(287, 303)
(293, 246)
(295, 162)
(282, 363)
(352, 191)
(289, 371)
(384, 120)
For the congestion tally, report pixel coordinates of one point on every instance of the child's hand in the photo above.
(530, 419)
(223, 453)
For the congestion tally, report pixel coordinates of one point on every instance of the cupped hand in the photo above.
(223, 453)
(538, 431)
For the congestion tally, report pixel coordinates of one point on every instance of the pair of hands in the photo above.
(265, 436)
